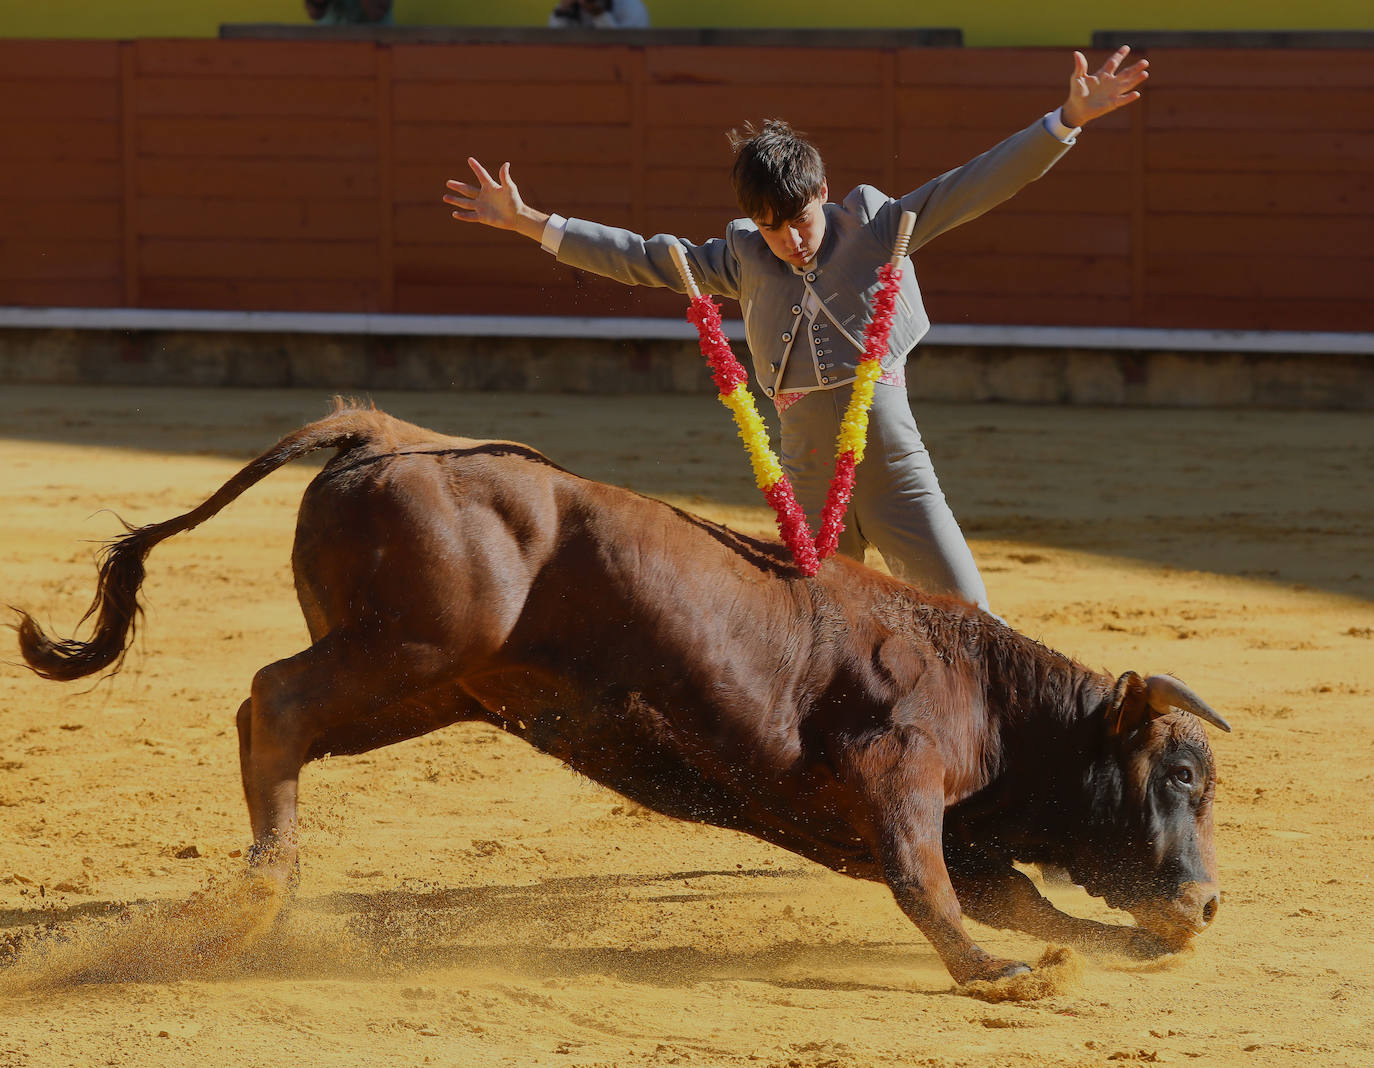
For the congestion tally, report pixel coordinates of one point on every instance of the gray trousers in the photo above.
(898, 506)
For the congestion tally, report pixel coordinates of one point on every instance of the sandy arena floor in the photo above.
(466, 901)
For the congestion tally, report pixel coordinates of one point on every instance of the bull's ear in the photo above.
(1129, 705)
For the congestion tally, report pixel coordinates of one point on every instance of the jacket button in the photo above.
(811, 276)
(825, 381)
(787, 335)
(769, 391)
(796, 309)
(815, 326)
(773, 366)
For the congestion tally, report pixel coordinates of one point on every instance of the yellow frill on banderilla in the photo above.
(854, 427)
(767, 470)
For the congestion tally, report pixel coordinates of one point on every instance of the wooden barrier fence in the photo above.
(307, 175)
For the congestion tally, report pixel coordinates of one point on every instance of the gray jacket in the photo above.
(805, 326)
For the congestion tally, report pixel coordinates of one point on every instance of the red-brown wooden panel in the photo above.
(1261, 277)
(1104, 151)
(543, 185)
(52, 98)
(255, 59)
(288, 138)
(65, 292)
(272, 294)
(449, 101)
(671, 144)
(431, 224)
(257, 179)
(325, 98)
(1059, 192)
(725, 106)
(495, 264)
(74, 219)
(451, 143)
(1067, 277)
(1334, 236)
(561, 65)
(1046, 70)
(1008, 232)
(59, 139)
(52, 259)
(763, 66)
(234, 217)
(1256, 194)
(1243, 150)
(1219, 313)
(1025, 310)
(480, 298)
(44, 60)
(1273, 110)
(299, 259)
(1254, 68)
(1003, 111)
(48, 179)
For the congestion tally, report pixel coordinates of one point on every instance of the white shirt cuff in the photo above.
(1054, 123)
(553, 234)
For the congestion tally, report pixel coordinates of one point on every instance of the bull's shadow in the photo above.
(1286, 497)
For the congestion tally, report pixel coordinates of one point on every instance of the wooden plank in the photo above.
(1044, 70)
(386, 197)
(540, 184)
(1275, 110)
(48, 179)
(257, 179)
(213, 58)
(592, 104)
(1265, 68)
(1082, 310)
(936, 151)
(59, 139)
(1261, 278)
(725, 106)
(59, 60)
(333, 295)
(1011, 232)
(230, 217)
(1003, 111)
(1261, 194)
(477, 298)
(1060, 193)
(258, 137)
(560, 64)
(742, 66)
(1067, 278)
(1217, 313)
(431, 224)
(428, 142)
(66, 292)
(1243, 150)
(50, 219)
(52, 259)
(39, 98)
(1333, 236)
(1139, 230)
(228, 259)
(128, 138)
(512, 263)
(325, 98)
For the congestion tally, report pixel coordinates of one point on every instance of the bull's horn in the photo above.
(1163, 692)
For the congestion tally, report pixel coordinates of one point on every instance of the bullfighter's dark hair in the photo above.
(777, 171)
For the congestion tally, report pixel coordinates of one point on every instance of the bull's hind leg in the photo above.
(342, 695)
(897, 782)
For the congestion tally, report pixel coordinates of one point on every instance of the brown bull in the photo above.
(849, 718)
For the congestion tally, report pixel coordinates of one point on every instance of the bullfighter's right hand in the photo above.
(494, 202)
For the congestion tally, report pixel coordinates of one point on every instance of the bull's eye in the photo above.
(1183, 775)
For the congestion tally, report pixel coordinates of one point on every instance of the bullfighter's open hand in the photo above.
(494, 202)
(1093, 95)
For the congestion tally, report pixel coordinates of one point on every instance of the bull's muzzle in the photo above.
(1178, 920)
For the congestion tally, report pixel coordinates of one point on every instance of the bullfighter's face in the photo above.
(1157, 860)
(796, 241)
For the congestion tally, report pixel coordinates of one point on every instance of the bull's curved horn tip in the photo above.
(1167, 690)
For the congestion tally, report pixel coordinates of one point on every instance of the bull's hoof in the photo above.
(991, 969)
(1143, 945)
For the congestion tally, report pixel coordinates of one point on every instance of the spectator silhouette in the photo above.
(600, 14)
(348, 12)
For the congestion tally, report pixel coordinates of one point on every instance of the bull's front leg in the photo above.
(897, 784)
(995, 893)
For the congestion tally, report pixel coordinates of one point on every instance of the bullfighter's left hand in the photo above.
(1093, 95)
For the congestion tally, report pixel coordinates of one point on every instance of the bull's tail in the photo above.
(116, 609)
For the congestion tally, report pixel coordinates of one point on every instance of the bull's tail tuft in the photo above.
(115, 608)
